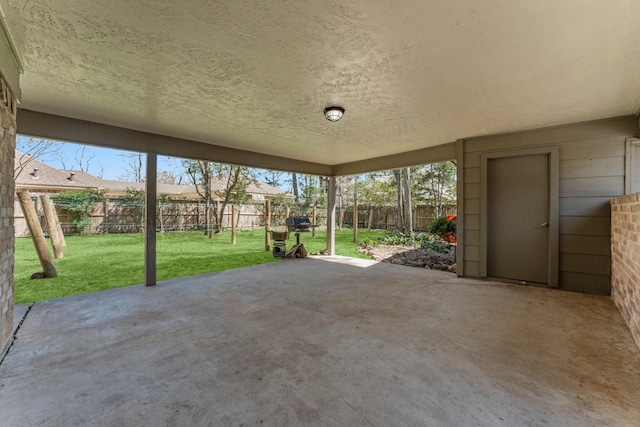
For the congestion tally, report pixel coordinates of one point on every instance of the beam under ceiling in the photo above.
(49, 126)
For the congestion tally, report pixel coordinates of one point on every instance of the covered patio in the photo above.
(323, 341)
(333, 341)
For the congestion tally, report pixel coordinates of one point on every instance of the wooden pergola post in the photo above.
(40, 243)
(63, 241)
(267, 225)
(50, 216)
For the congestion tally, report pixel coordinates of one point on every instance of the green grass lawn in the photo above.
(95, 263)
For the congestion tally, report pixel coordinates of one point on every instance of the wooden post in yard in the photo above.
(287, 215)
(355, 221)
(29, 211)
(50, 217)
(233, 224)
(314, 218)
(267, 225)
(60, 230)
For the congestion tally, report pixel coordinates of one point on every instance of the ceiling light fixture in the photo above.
(333, 114)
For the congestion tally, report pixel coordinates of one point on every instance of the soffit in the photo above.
(256, 75)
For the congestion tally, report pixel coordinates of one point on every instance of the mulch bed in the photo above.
(412, 257)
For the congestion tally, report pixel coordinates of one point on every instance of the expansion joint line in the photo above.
(14, 337)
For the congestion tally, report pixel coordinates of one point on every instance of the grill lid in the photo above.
(298, 223)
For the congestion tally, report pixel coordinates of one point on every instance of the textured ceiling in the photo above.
(256, 75)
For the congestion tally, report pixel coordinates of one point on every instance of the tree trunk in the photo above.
(294, 186)
(406, 193)
(209, 221)
(400, 200)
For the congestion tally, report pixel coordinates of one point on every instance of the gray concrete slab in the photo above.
(323, 341)
(19, 311)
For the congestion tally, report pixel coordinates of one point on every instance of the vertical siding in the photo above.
(592, 172)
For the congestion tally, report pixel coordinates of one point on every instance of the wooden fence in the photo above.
(114, 216)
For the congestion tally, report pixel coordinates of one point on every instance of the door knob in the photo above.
(543, 225)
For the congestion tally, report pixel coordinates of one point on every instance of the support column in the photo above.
(8, 108)
(150, 221)
(355, 209)
(332, 189)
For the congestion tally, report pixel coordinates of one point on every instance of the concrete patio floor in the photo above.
(323, 341)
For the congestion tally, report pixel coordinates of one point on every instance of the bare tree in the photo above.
(83, 159)
(33, 149)
(236, 179)
(167, 177)
(201, 174)
(134, 167)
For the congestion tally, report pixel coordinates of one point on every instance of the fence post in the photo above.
(267, 225)
(233, 224)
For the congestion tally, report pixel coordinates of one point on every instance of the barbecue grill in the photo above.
(298, 224)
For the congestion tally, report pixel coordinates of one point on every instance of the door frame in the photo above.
(554, 200)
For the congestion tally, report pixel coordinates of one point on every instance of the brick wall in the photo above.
(7, 152)
(625, 259)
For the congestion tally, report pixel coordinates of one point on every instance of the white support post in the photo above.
(331, 215)
(150, 220)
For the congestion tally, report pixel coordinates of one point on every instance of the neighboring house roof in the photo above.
(34, 175)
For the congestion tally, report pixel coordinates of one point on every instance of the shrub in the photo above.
(77, 203)
(421, 240)
(443, 227)
(370, 243)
